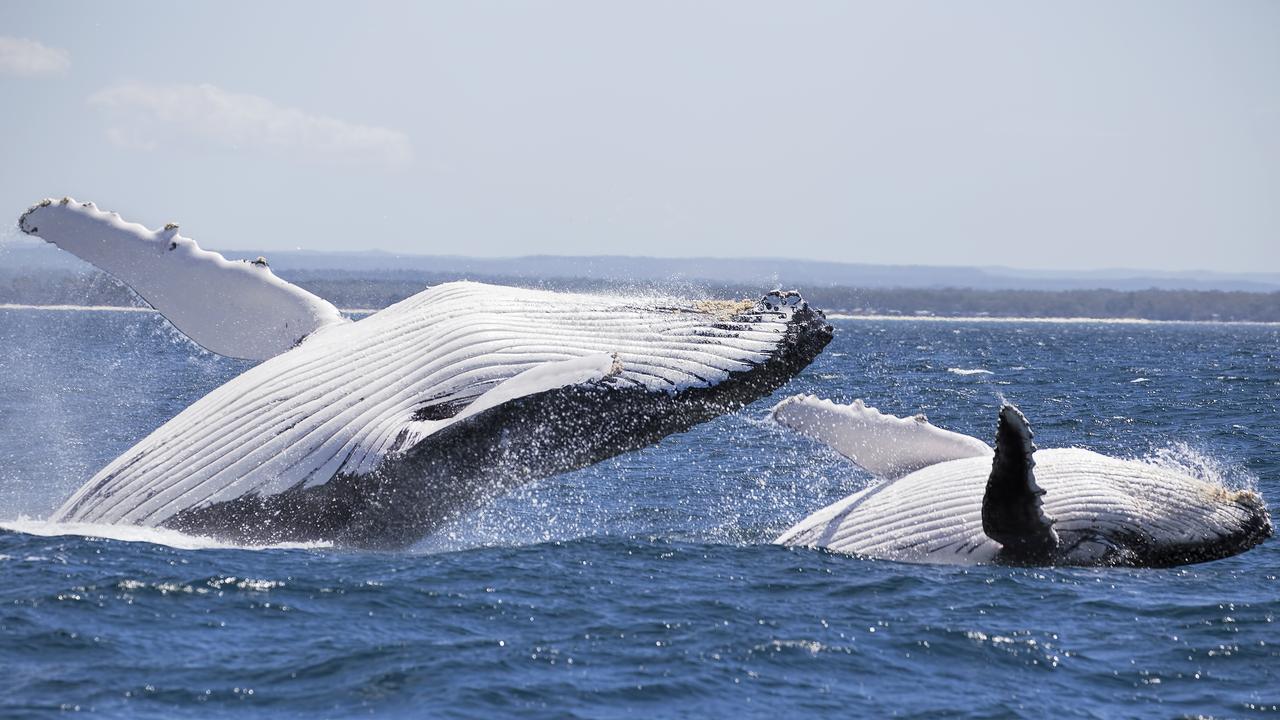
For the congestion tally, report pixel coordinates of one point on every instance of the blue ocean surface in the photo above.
(646, 586)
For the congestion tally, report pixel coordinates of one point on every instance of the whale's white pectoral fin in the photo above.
(884, 445)
(365, 454)
(233, 308)
(547, 376)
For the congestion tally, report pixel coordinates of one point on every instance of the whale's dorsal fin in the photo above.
(886, 446)
(232, 308)
(1012, 512)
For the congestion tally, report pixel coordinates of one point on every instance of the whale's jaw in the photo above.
(1249, 524)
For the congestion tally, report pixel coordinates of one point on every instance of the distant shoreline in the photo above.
(371, 292)
(1045, 320)
(830, 316)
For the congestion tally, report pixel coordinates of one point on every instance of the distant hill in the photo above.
(41, 275)
(22, 254)
(769, 271)
(371, 289)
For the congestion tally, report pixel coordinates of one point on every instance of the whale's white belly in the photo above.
(352, 393)
(934, 515)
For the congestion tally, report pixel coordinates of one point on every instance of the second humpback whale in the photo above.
(372, 433)
(949, 498)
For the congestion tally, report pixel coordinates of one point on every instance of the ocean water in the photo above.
(645, 586)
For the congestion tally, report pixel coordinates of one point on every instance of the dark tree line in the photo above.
(376, 289)
(1138, 304)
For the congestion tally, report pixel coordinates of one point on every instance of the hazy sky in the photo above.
(1051, 135)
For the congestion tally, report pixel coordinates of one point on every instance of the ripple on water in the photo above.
(645, 585)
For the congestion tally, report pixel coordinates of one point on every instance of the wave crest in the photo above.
(137, 533)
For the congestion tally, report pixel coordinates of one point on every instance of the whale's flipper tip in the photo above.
(1012, 512)
(233, 309)
(26, 222)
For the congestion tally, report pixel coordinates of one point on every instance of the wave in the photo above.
(77, 308)
(133, 308)
(970, 371)
(137, 533)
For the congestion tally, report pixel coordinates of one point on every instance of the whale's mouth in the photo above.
(1253, 527)
(1259, 527)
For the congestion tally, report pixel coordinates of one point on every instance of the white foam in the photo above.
(133, 308)
(970, 371)
(137, 533)
(76, 308)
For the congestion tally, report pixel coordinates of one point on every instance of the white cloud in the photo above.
(150, 116)
(28, 58)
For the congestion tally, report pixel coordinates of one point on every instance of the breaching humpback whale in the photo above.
(949, 498)
(372, 433)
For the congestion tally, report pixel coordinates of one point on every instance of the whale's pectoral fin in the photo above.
(886, 446)
(585, 370)
(453, 409)
(238, 309)
(1012, 512)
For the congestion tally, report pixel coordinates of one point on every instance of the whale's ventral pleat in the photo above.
(374, 432)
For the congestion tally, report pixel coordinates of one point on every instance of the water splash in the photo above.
(1182, 457)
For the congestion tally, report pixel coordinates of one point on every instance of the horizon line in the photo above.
(1272, 275)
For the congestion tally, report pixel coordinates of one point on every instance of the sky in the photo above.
(1069, 136)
